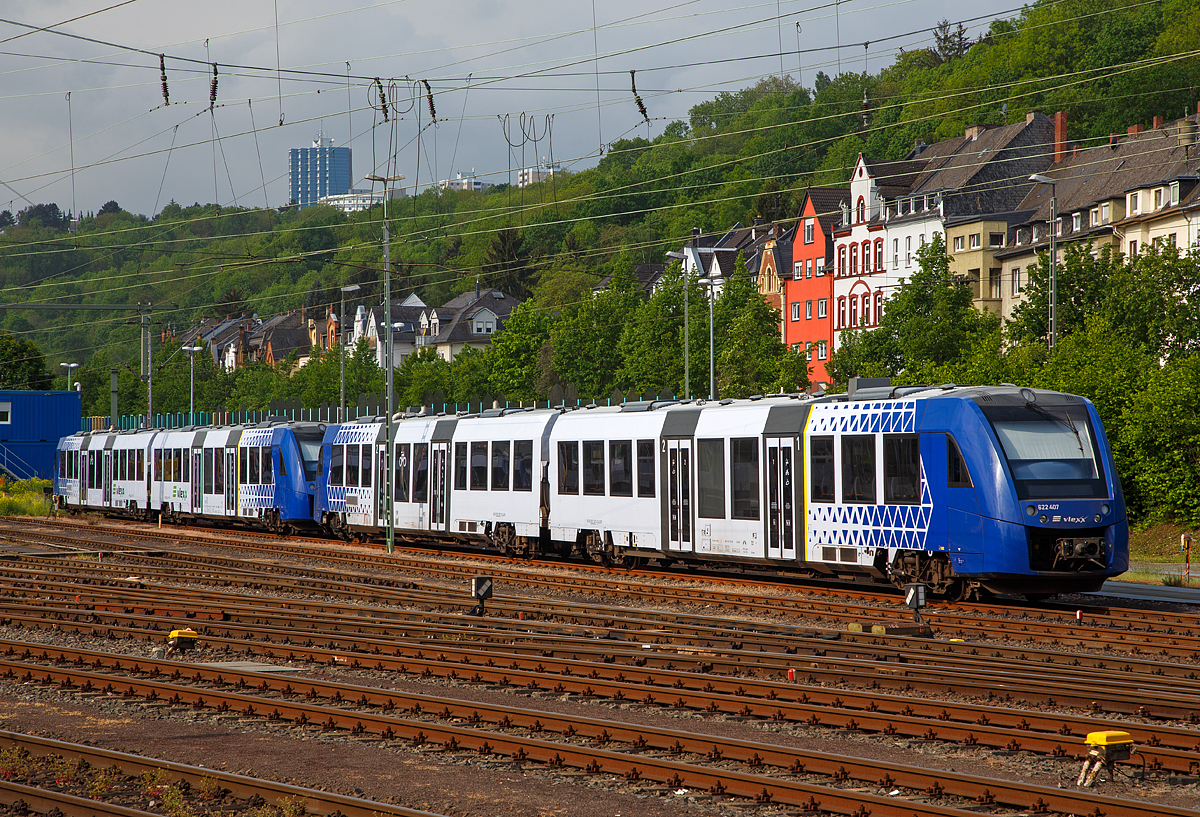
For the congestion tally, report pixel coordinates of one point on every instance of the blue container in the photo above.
(31, 423)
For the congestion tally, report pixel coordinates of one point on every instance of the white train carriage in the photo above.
(500, 458)
(71, 471)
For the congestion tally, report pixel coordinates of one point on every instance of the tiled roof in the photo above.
(827, 202)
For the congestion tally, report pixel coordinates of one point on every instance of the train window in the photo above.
(710, 478)
(337, 461)
(120, 464)
(523, 465)
(858, 468)
(141, 466)
(500, 466)
(645, 468)
(568, 468)
(957, 475)
(352, 466)
(402, 461)
(208, 470)
(479, 466)
(743, 476)
(822, 470)
(268, 472)
(366, 466)
(242, 474)
(185, 459)
(620, 468)
(420, 490)
(282, 461)
(254, 477)
(593, 468)
(460, 466)
(219, 471)
(902, 469)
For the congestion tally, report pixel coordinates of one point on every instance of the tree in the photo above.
(514, 352)
(926, 325)
(22, 364)
(42, 215)
(585, 340)
(470, 374)
(6, 219)
(506, 264)
(109, 207)
(651, 343)
(949, 43)
(422, 374)
(1081, 280)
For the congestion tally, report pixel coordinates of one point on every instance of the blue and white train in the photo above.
(963, 489)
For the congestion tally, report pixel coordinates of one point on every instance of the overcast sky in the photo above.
(488, 64)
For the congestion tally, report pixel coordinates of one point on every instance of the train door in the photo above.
(381, 490)
(439, 471)
(108, 473)
(197, 474)
(781, 498)
(679, 494)
(230, 481)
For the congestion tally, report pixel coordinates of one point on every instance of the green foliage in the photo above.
(25, 497)
(22, 364)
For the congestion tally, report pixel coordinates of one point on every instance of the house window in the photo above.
(866, 251)
(1158, 198)
(808, 231)
(808, 350)
(1172, 240)
(1174, 188)
(841, 320)
(822, 309)
(1058, 226)
(895, 253)
(796, 311)
(6, 413)
(866, 316)
(878, 253)
(798, 270)
(1133, 249)
(994, 284)
(854, 259)
(975, 238)
(959, 243)
(908, 251)
(822, 350)
(853, 311)
(1094, 217)
(1076, 222)
(995, 239)
(1133, 203)
(820, 266)
(1016, 281)
(862, 210)
(808, 268)
(878, 307)
(807, 310)
(841, 267)
(1104, 213)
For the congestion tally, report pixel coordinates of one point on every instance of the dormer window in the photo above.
(1174, 190)
(1094, 217)
(862, 210)
(1076, 222)
(1105, 213)
(1133, 204)
(1058, 226)
(1158, 198)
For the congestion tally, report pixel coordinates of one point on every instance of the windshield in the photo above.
(309, 441)
(1051, 451)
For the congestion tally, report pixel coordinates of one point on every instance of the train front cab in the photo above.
(1032, 502)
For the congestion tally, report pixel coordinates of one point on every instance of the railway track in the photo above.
(169, 774)
(1136, 632)
(591, 744)
(661, 660)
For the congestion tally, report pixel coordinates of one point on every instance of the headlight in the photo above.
(1030, 510)
(1098, 517)
(1104, 509)
(1042, 519)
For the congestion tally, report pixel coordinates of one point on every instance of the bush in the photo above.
(24, 497)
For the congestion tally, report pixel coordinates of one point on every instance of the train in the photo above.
(967, 490)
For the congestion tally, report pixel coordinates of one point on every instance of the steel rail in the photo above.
(752, 754)
(315, 800)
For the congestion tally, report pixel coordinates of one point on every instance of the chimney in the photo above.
(973, 131)
(1060, 136)
(1185, 133)
(1030, 116)
(1112, 140)
(1157, 123)
(1132, 129)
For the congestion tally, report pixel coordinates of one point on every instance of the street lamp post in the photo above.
(191, 350)
(1037, 177)
(70, 367)
(712, 372)
(342, 349)
(387, 312)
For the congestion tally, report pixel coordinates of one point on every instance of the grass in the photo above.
(25, 497)
(1160, 543)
